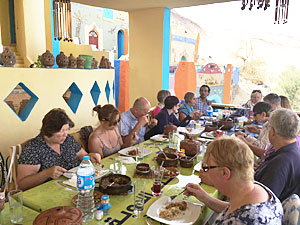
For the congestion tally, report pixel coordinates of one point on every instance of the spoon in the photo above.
(166, 157)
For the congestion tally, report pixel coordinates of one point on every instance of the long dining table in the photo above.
(54, 193)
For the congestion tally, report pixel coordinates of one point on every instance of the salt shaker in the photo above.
(99, 213)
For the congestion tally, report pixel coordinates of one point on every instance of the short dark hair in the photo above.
(171, 101)
(261, 107)
(162, 94)
(272, 98)
(205, 86)
(53, 122)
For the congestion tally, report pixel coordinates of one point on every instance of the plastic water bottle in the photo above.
(210, 111)
(85, 187)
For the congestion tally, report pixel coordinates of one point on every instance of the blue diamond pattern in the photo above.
(75, 97)
(95, 93)
(107, 91)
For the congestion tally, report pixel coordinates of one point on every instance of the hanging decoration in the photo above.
(281, 10)
(62, 20)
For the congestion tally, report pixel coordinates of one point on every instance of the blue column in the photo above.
(55, 43)
(166, 49)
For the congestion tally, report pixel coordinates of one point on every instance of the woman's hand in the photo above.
(55, 171)
(95, 157)
(253, 129)
(195, 190)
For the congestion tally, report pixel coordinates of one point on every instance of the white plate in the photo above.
(126, 150)
(72, 172)
(198, 166)
(160, 138)
(207, 135)
(193, 132)
(189, 216)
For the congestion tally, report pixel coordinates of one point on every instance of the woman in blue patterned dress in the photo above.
(229, 164)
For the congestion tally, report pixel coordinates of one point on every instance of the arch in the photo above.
(120, 43)
(93, 38)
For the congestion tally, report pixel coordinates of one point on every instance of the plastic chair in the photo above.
(291, 210)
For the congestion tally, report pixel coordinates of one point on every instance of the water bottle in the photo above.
(210, 111)
(85, 187)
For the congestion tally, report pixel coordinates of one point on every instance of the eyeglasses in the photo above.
(256, 91)
(206, 168)
(114, 123)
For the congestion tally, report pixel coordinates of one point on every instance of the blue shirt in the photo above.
(202, 107)
(127, 123)
(281, 171)
(185, 109)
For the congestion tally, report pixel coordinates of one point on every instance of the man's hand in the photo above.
(55, 171)
(95, 157)
(153, 123)
(143, 120)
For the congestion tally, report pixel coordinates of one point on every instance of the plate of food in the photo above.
(160, 138)
(192, 132)
(135, 151)
(177, 212)
(99, 172)
(170, 172)
(209, 135)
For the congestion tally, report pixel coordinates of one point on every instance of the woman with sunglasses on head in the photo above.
(229, 163)
(106, 139)
(256, 96)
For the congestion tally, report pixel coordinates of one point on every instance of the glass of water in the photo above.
(139, 196)
(15, 198)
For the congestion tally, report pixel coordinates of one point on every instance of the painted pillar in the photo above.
(55, 45)
(4, 23)
(227, 84)
(149, 53)
(196, 48)
(126, 41)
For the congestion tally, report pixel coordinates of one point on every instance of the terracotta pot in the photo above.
(62, 215)
(80, 62)
(72, 62)
(62, 60)
(169, 128)
(170, 162)
(8, 58)
(226, 124)
(190, 146)
(186, 162)
(121, 185)
(94, 64)
(209, 128)
(47, 59)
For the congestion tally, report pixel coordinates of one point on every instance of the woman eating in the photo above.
(106, 139)
(229, 164)
(188, 107)
(51, 153)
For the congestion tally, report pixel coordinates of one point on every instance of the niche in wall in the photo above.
(73, 96)
(21, 101)
(95, 93)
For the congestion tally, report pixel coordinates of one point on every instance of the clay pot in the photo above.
(8, 58)
(62, 60)
(209, 128)
(63, 215)
(80, 62)
(47, 59)
(186, 162)
(225, 124)
(170, 162)
(72, 61)
(94, 63)
(169, 128)
(190, 146)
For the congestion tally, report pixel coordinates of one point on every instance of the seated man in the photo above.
(261, 113)
(281, 169)
(166, 116)
(51, 153)
(133, 122)
(201, 102)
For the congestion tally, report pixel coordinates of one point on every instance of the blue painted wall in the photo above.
(55, 43)
(166, 49)
(120, 43)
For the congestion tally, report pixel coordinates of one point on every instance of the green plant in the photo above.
(38, 63)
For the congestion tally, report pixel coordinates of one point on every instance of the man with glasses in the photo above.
(135, 120)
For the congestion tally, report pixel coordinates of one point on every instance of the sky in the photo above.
(228, 15)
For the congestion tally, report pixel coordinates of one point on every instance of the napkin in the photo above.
(126, 160)
(72, 181)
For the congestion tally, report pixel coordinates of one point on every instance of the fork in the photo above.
(172, 197)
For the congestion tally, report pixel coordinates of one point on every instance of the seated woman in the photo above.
(256, 96)
(285, 103)
(166, 116)
(51, 153)
(106, 139)
(229, 163)
(161, 96)
(188, 107)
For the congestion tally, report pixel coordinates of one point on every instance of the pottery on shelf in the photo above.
(94, 63)
(72, 61)
(8, 57)
(62, 60)
(80, 62)
(47, 59)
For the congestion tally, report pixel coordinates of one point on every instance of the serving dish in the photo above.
(170, 162)
(115, 184)
(142, 152)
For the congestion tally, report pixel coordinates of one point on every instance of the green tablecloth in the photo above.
(28, 216)
(51, 194)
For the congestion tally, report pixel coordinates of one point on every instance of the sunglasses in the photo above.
(256, 91)
(114, 123)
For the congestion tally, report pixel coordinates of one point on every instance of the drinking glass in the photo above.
(139, 196)
(117, 165)
(15, 198)
(157, 175)
(173, 139)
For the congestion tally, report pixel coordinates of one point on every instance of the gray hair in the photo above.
(188, 97)
(272, 99)
(285, 122)
(141, 103)
(162, 94)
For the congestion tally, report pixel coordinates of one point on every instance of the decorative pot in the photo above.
(88, 61)
(94, 63)
(47, 59)
(62, 60)
(72, 61)
(8, 58)
(80, 62)
(115, 184)
(190, 146)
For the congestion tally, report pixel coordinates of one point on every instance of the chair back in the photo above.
(291, 210)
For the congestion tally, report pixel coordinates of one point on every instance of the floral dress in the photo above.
(269, 212)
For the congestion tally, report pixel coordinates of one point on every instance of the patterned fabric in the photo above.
(291, 209)
(263, 138)
(127, 123)
(202, 107)
(37, 152)
(185, 109)
(269, 212)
